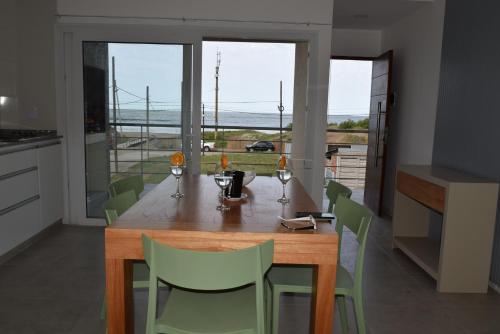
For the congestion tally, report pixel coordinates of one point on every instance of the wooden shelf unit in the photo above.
(460, 261)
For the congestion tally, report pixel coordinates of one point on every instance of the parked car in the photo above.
(207, 146)
(260, 146)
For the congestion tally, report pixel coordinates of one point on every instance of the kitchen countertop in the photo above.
(11, 147)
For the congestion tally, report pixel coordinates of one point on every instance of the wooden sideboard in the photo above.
(466, 205)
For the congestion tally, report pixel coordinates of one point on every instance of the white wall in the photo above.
(258, 10)
(416, 41)
(36, 65)
(356, 42)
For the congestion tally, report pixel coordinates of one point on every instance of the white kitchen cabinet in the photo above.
(18, 186)
(31, 192)
(19, 225)
(49, 160)
(16, 161)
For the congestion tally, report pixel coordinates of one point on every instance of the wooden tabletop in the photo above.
(197, 209)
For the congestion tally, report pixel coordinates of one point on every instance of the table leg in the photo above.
(324, 300)
(119, 296)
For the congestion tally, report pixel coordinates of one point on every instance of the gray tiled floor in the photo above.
(56, 286)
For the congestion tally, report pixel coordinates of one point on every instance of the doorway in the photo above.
(348, 117)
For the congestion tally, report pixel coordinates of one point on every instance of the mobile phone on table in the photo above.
(316, 215)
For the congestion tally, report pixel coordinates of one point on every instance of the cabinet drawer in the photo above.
(422, 191)
(12, 162)
(18, 188)
(19, 225)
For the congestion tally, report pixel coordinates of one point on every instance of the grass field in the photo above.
(158, 168)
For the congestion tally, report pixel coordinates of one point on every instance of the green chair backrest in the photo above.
(333, 190)
(349, 214)
(119, 204)
(362, 236)
(207, 271)
(134, 183)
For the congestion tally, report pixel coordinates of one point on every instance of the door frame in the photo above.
(71, 123)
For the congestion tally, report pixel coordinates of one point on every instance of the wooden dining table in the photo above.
(193, 222)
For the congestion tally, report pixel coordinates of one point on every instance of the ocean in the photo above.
(173, 117)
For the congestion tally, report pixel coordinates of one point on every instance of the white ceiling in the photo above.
(372, 14)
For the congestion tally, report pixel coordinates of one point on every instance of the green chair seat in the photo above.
(140, 275)
(345, 283)
(300, 279)
(232, 312)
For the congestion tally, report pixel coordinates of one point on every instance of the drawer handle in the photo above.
(18, 205)
(18, 172)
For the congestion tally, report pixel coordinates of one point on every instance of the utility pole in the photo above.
(147, 120)
(203, 128)
(281, 108)
(114, 112)
(217, 65)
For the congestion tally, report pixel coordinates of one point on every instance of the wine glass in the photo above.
(284, 175)
(223, 181)
(177, 171)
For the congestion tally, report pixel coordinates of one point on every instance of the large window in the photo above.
(247, 103)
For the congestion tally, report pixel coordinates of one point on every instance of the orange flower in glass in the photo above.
(224, 161)
(282, 162)
(177, 159)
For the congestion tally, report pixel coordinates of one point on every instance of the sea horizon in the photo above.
(226, 118)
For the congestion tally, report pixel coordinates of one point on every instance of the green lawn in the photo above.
(261, 163)
(158, 168)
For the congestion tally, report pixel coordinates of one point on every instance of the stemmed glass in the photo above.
(177, 171)
(284, 175)
(223, 181)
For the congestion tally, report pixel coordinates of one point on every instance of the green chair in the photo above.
(300, 279)
(214, 292)
(134, 183)
(117, 205)
(114, 208)
(333, 190)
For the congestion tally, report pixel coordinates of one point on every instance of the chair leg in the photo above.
(276, 310)
(269, 305)
(360, 315)
(343, 314)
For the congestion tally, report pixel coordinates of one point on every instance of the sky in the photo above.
(350, 86)
(250, 74)
(158, 66)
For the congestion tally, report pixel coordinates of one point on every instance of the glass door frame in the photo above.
(71, 40)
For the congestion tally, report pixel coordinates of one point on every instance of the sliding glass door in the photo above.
(132, 114)
(129, 109)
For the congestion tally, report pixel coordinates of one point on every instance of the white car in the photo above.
(207, 146)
